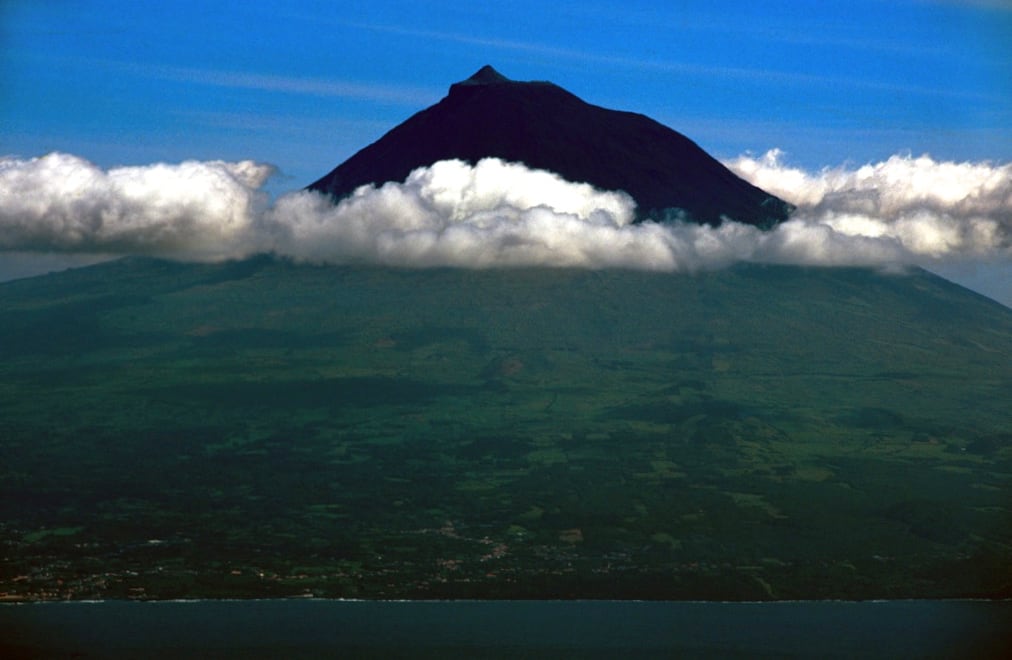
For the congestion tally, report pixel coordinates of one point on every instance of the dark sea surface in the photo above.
(506, 629)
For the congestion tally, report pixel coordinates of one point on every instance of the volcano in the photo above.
(546, 127)
(277, 428)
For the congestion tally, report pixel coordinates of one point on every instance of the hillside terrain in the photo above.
(262, 428)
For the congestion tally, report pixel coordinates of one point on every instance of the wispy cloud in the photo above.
(847, 32)
(397, 94)
(287, 125)
(474, 40)
(586, 56)
(1000, 5)
(410, 95)
(684, 68)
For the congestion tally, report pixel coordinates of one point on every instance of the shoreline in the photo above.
(323, 599)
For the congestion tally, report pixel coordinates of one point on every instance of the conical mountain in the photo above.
(546, 127)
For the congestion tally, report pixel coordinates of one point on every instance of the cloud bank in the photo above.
(901, 211)
(929, 209)
(62, 203)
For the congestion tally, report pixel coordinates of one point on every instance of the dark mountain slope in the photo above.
(269, 429)
(546, 127)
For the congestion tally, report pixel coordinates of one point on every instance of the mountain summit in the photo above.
(546, 127)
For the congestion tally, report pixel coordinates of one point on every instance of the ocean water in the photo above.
(506, 629)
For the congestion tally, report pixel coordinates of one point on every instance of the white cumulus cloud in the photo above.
(925, 209)
(490, 215)
(62, 203)
(495, 214)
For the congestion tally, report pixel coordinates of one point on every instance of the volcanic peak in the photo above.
(486, 75)
(546, 127)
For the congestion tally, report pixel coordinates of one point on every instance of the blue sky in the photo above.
(304, 85)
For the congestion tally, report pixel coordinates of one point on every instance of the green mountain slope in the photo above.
(262, 429)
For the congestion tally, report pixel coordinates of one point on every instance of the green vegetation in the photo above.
(268, 429)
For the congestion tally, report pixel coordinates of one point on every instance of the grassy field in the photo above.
(262, 428)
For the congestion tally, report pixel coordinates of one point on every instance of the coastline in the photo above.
(301, 627)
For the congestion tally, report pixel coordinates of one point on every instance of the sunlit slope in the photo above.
(757, 432)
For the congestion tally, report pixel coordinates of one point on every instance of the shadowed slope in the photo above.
(264, 428)
(545, 127)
